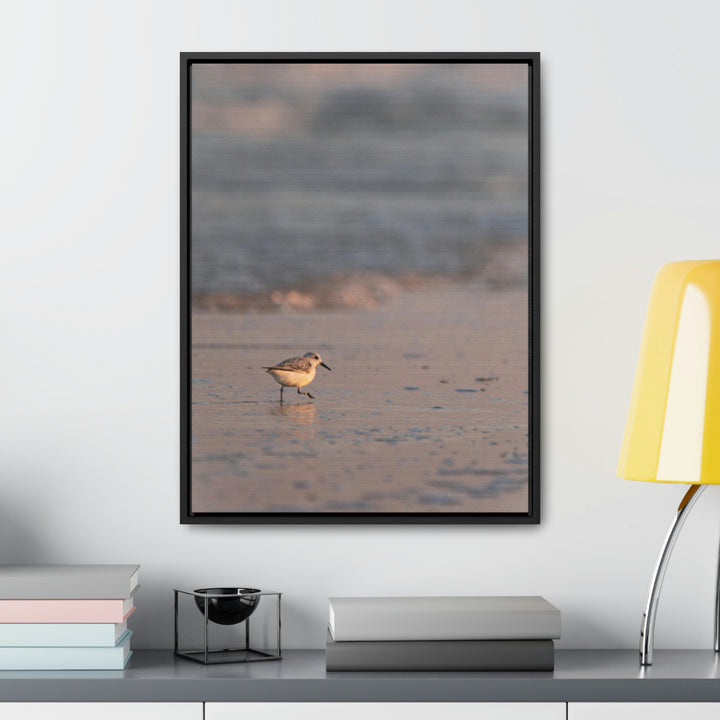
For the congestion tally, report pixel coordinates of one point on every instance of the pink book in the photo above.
(65, 611)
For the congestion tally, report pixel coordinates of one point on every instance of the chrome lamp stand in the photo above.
(647, 630)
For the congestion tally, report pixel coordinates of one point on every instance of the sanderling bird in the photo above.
(296, 372)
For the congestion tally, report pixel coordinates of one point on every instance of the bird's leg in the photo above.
(312, 397)
(281, 389)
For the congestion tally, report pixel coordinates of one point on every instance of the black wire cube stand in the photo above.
(213, 604)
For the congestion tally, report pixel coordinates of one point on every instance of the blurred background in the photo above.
(304, 173)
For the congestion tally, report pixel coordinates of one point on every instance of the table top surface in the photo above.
(300, 676)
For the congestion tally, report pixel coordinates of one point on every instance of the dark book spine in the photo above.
(457, 655)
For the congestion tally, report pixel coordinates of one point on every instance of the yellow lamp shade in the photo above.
(673, 426)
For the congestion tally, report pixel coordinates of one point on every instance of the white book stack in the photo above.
(442, 633)
(66, 617)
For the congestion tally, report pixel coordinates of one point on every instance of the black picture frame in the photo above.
(190, 514)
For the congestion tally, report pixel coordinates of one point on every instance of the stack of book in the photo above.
(442, 633)
(66, 617)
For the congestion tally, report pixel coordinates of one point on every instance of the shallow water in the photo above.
(455, 440)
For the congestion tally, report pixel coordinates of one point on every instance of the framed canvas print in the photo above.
(360, 288)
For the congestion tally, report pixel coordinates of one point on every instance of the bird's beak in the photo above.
(325, 366)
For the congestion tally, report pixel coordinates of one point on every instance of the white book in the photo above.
(443, 618)
(68, 582)
(61, 634)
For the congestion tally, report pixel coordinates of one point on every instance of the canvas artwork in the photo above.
(358, 253)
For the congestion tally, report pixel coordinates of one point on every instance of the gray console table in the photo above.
(582, 676)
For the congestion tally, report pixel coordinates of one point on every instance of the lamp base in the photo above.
(647, 630)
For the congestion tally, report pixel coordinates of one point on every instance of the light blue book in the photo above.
(61, 634)
(67, 658)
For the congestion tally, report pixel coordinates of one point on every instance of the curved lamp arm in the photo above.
(648, 622)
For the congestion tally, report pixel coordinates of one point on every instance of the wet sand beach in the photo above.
(425, 410)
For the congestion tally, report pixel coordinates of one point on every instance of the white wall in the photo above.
(89, 286)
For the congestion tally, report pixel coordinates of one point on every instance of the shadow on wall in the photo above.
(18, 544)
(582, 629)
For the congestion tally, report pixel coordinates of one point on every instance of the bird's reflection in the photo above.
(301, 413)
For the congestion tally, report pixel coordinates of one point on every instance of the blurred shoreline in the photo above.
(506, 269)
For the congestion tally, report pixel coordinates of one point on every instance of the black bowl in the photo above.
(229, 610)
